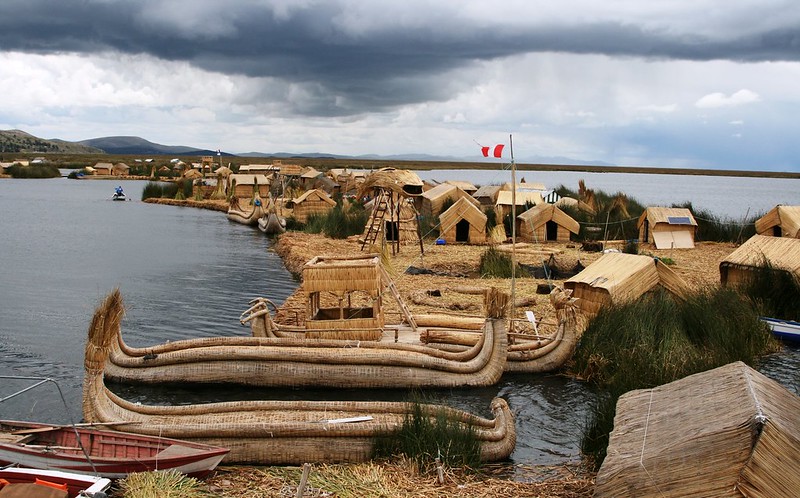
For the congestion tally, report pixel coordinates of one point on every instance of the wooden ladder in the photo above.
(403, 308)
(379, 208)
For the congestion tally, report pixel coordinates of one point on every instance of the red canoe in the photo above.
(36, 482)
(99, 452)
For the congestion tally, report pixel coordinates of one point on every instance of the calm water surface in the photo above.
(186, 273)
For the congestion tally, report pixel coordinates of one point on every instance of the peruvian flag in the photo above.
(496, 151)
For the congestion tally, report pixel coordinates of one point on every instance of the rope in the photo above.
(644, 441)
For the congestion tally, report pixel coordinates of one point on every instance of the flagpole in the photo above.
(513, 230)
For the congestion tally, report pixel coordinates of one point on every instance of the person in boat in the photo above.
(118, 191)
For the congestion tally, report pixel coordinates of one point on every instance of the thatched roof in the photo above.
(248, 179)
(400, 181)
(785, 217)
(310, 173)
(345, 274)
(224, 171)
(781, 253)
(670, 216)
(524, 186)
(445, 190)
(463, 209)
(541, 214)
(465, 186)
(489, 191)
(192, 174)
(504, 198)
(627, 276)
(314, 194)
(730, 431)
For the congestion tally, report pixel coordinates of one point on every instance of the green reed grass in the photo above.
(339, 222)
(713, 228)
(774, 293)
(33, 171)
(159, 190)
(424, 438)
(497, 264)
(658, 339)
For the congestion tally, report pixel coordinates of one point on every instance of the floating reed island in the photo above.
(273, 432)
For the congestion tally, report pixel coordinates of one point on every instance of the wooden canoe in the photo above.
(93, 451)
(279, 432)
(22, 481)
(292, 361)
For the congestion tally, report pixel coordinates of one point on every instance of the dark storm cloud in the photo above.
(342, 68)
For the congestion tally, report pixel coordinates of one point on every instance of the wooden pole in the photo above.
(513, 230)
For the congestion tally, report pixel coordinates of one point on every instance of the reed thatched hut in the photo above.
(310, 203)
(779, 253)
(258, 169)
(463, 222)
(102, 168)
(524, 199)
(619, 278)
(355, 284)
(244, 184)
(192, 174)
(546, 223)
(121, 169)
(487, 195)
(433, 200)
(463, 185)
(393, 215)
(780, 221)
(308, 177)
(667, 228)
(726, 432)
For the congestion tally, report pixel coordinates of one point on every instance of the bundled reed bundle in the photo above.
(729, 431)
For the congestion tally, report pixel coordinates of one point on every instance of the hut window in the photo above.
(392, 231)
(462, 231)
(551, 230)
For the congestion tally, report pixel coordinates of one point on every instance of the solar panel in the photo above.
(679, 220)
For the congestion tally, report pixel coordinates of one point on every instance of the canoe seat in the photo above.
(176, 450)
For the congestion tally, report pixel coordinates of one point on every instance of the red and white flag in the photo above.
(496, 151)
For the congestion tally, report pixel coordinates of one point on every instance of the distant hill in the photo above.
(139, 146)
(17, 141)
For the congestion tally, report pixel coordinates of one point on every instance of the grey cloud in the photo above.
(345, 72)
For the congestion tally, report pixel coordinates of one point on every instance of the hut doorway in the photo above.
(776, 231)
(392, 231)
(462, 231)
(551, 230)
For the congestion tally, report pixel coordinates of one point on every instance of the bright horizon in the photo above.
(699, 85)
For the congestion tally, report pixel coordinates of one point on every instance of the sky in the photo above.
(678, 83)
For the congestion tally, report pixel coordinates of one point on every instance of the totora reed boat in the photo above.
(249, 215)
(345, 346)
(271, 432)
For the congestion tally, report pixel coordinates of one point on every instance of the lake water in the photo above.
(186, 273)
(735, 198)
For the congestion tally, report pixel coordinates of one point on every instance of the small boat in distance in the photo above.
(92, 451)
(20, 481)
(119, 195)
(786, 330)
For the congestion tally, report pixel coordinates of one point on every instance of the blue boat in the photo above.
(786, 330)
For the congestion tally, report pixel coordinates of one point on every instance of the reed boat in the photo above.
(271, 432)
(533, 346)
(94, 451)
(247, 215)
(272, 224)
(395, 358)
